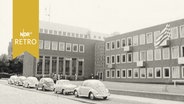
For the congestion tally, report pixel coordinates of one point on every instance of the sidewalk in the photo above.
(141, 87)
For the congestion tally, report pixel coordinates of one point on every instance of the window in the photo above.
(129, 73)
(182, 51)
(107, 73)
(47, 65)
(113, 59)
(82, 36)
(166, 53)
(61, 46)
(107, 46)
(112, 73)
(149, 72)
(149, 38)
(55, 32)
(68, 33)
(39, 65)
(142, 73)
(41, 30)
(129, 41)
(77, 35)
(175, 72)
(61, 66)
(156, 35)
(142, 39)
(112, 45)
(47, 45)
(123, 42)
(129, 57)
(60, 33)
(64, 33)
(136, 73)
(158, 72)
(118, 59)
(117, 73)
(54, 45)
(81, 48)
(143, 56)
(41, 44)
(50, 32)
(157, 54)
(123, 58)
(123, 73)
(75, 47)
(149, 55)
(175, 52)
(46, 31)
(68, 47)
(107, 60)
(174, 33)
(182, 31)
(117, 44)
(182, 69)
(80, 67)
(135, 40)
(135, 56)
(166, 72)
(54, 64)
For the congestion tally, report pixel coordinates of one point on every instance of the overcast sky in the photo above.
(106, 16)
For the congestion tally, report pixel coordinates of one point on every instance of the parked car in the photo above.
(64, 87)
(30, 82)
(92, 89)
(45, 84)
(19, 81)
(12, 79)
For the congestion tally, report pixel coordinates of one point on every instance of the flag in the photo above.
(163, 37)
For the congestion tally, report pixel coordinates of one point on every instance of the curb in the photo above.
(155, 95)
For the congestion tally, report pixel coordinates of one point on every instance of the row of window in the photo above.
(62, 46)
(142, 39)
(69, 34)
(147, 55)
(157, 72)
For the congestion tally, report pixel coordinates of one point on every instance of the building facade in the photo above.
(132, 57)
(65, 50)
(100, 60)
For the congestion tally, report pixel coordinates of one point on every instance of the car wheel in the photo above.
(105, 97)
(43, 88)
(64, 92)
(55, 91)
(91, 96)
(76, 94)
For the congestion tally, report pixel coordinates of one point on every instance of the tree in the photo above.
(4, 63)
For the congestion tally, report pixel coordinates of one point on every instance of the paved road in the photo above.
(10, 94)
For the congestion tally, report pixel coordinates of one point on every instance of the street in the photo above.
(11, 94)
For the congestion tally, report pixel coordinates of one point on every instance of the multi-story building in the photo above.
(65, 50)
(100, 59)
(132, 56)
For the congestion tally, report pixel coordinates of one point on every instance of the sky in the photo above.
(105, 16)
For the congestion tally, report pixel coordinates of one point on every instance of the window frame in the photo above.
(117, 44)
(106, 74)
(117, 59)
(172, 54)
(134, 54)
(178, 72)
(107, 49)
(81, 45)
(114, 73)
(114, 59)
(140, 58)
(53, 47)
(172, 29)
(123, 39)
(155, 54)
(135, 40)
(122, 57)
(112, 45)
(40, 44)
(181, 26)
(63, 46)
(163, 55)
(117, 73)
(149, 52)
(73, 45)
(128, 57)
(141, 39)
(135, 71)
(45, 43)
(128, 41)
(128, 73)
(147, 40)
(107, 61)
(143, 73)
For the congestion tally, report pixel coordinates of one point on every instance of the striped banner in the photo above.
(163, 37)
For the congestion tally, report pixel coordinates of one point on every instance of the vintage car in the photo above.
(30, 82)
(64, 87)
(12, 79)
(45, 84)
(92, 89)
(19, 81)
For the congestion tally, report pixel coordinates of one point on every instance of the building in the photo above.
(100, 60)
(65, 50)
(132, 56)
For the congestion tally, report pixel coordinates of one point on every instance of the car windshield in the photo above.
(95, 84)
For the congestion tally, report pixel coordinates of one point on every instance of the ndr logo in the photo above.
(25, 34)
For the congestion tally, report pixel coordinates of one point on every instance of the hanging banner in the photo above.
(25, 27)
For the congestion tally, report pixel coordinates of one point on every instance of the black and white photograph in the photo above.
(96, 52)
